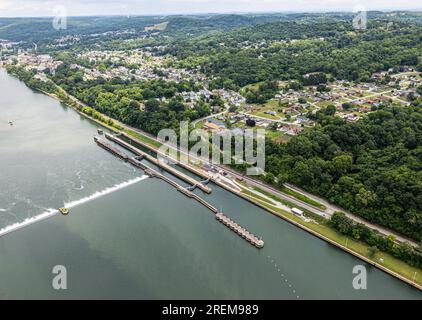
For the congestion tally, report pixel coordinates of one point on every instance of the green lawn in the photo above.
(270, 105)
(323, 104)
(291, 205)
(389, 262)
(256, 196)
(303, 198)
(277, 136)
(253, 86)
(143, 138)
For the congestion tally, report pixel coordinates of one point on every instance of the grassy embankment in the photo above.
(321, 227)
(303, 198)
(143, 138)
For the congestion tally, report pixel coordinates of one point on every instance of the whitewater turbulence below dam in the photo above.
(51, 212)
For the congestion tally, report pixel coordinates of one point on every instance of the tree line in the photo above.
(403, 250)
(372, 167)
(290, 49)
(149, 105)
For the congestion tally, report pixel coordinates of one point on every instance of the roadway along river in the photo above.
(145, 240)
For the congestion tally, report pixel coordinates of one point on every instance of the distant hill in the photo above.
(182, 26)
(39, 29)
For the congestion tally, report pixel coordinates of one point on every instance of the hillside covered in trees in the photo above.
(137, 103)
(372, 167)
(289, 49)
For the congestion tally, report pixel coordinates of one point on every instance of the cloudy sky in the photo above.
(140, 7)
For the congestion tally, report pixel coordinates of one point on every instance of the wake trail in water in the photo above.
(51, 212)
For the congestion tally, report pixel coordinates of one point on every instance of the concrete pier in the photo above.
(180, 163)
(113, 150)
(136, 161)
(194, 183)
(242, 232)
(152, 173)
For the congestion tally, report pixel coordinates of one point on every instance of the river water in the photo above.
(137, 238)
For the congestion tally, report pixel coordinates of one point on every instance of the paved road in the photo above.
(226, 106)
(266, 119)
(326, 213)
(370, 96)
(331, 208)
(210, 116)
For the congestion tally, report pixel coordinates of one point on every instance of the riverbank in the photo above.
(390, 265)
(319, 232)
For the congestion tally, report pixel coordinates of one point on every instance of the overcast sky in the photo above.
(148, 7)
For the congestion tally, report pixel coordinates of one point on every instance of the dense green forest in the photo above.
(288, 50)
(149, 105)
(372, 167)
(38, 30)
(30, 81)
(22, 29)
(113, 31)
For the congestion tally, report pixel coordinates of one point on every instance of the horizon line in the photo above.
(416, 10)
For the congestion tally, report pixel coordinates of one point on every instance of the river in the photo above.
(131, 237)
